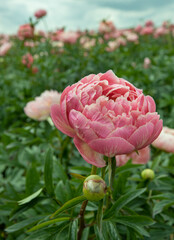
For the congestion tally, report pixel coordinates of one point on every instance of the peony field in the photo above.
(87, 132)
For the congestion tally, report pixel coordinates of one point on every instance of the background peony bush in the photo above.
(42, 172)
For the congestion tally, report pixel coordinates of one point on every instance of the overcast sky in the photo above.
(84, 14)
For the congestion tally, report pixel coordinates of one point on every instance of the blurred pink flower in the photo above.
(40, 13)
(149, 23)
(4, 48)
(106, 116)
(142, 157)
(160, 31)
(147, 30)
(131, 37)
(39, 109)
(25, 31)
(68, 37)
(147, 62)
(27, 60)
(138, 28)
(106, 27)
(165, 141)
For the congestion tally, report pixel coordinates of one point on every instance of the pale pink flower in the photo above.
(160, 31)
(25, 31)
(142, 157)
(40, 13)
(106, 27)
(147, 62)
(165, 141)
(131, 37)
(138, 28)
(87, 42)
(106, 116)
(68, 37)
(29, 44)
(4, 48)
(27, 60)
(147, 30)
(39, 109)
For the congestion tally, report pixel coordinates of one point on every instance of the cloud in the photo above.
(84, 14)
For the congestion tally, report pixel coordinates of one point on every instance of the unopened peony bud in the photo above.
(94, 188)
(148, 174)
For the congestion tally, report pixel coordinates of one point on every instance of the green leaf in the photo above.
(112, 230)
(32, 179)
(99, 235)
(30, 198)
(71, 203)
(60, 172)
(122, 201)
(48, 172)
(44, 224)
(138, 220)
(159, 206)
(132, 224)
(73, 228)
(18, 226)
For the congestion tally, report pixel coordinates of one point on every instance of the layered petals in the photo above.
(106, 116)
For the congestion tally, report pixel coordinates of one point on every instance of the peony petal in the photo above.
(59, 121)
(142, 135)
(89, 154)
(77, 119)
(111, 146)
(110, 77)
(151, 104)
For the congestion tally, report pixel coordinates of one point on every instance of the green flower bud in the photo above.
(148, 174)
(94, 188)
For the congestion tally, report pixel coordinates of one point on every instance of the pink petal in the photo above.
(111, 146)
(123, 132)
(151, 104)
(157, 130)
(59, 121)
(110, 77)
(142, 135)
(77, 119)
(89, 154)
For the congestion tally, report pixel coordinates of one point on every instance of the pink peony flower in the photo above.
(160, 31)
(106, 116)
(4, 48)
(149, 23)
(165, 141)
(138, 28)
(147, 30)
(106, 27)
(147, 63)
(27, 60)
(142, 157)
(25, 31)
(40, 13)
(39, 109)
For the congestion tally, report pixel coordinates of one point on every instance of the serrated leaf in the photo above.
(122, 201)
(48, 172)
(30, 198)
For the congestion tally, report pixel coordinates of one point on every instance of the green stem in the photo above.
(103, 172)
(112, 168)
(93, 170)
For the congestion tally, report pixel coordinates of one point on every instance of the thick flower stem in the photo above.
(112, 168)
(93, 170)
(81, 220)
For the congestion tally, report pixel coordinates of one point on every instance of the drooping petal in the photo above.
(59, 121)
(111, 146)
(89, 154)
